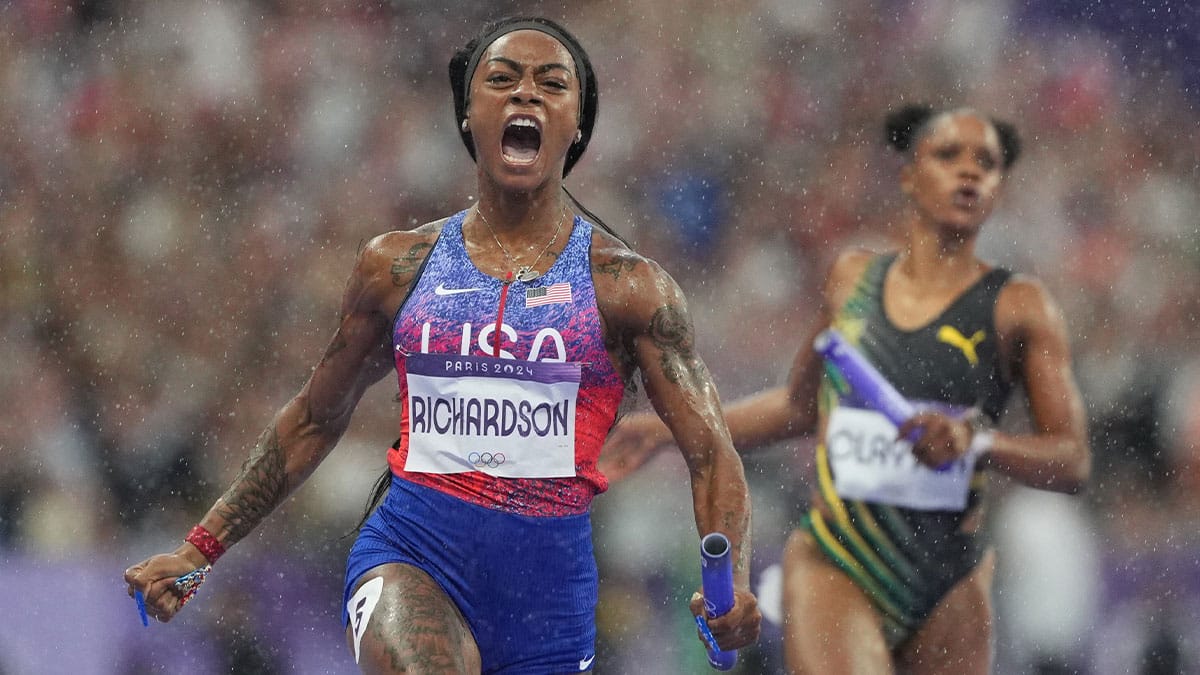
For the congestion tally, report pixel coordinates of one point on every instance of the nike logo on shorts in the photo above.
(442, 290)
(584, 664)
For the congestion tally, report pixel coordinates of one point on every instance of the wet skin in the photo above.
(415, 628)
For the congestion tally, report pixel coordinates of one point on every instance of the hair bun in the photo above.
(901, 125)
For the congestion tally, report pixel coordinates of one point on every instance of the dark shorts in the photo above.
(527, 586)
(905, 594)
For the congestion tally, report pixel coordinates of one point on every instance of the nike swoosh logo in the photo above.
(585, 663)
(442, 290)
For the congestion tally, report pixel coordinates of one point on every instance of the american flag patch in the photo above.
(553, 294)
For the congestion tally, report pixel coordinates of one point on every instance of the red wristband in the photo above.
(204, 540)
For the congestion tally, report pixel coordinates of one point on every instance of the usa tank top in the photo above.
(502, 390)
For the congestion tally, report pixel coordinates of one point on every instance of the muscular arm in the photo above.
(758, 420)
(781, 412)
(308, 426)
(682, 392)
(790, 410)
(648, 322)
(1056, 456)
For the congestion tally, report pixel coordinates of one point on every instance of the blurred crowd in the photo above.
(184, 186)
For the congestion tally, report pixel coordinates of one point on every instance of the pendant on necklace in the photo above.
(525, 274)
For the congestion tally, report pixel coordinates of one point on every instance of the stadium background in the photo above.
(183, 187)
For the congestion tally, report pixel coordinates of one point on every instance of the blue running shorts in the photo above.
(527, 585)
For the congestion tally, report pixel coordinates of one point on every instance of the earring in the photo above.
(578, 135)
(464, 125)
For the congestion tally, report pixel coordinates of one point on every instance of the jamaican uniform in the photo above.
(892, 524)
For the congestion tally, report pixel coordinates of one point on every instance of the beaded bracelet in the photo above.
(188, 584)
(209, 546)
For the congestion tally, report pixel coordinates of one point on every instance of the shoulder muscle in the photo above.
(844, 273)
(1027, 315)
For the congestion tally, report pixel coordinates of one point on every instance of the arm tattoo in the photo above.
(613, 267)
(672, 334)
(258, 489)
(403, 267)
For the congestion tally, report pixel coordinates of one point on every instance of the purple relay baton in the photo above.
(716, 577)
(866, 383)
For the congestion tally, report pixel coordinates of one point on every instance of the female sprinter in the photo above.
(513, 327)
(888, 571)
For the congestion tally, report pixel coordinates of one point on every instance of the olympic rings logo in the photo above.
(488, 459)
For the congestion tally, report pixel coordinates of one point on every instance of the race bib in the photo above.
(502, 417)
(870, 465)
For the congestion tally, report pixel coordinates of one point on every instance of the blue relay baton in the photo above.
(141, 605)
(716, 578)
(866, 382)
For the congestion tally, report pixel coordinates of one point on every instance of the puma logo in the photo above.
(951, 336)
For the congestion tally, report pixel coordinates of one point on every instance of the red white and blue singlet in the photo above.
(452, 310)
(495, 470)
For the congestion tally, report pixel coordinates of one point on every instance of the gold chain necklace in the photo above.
(524, 273)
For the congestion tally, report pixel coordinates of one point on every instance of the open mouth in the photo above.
(521, 140)
(965, 197)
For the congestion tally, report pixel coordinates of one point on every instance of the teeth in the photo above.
(522, 122)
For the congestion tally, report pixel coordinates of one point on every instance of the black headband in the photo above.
(487, 40)
(466, 60)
